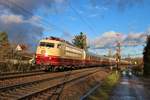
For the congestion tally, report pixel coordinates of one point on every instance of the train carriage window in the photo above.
(59, 46)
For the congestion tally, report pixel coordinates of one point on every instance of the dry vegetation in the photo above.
(81, 87)
(105, 89)
(12, 60)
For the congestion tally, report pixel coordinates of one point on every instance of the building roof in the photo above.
(21, 47)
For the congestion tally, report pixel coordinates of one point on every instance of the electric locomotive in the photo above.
(57, 53)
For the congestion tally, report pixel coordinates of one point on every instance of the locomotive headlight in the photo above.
(46, 55)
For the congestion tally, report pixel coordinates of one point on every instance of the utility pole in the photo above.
(118, 55)
(109, 53)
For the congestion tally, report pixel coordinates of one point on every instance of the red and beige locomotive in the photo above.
(55, 53)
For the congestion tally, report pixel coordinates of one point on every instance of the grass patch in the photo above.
(105, 89)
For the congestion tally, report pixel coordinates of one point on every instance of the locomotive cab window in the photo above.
(42, 44)
(49, 45)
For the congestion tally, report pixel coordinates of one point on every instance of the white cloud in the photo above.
(109, 39)
(27, 8)
(121, 5)
(93, 15)
(11, 18)
(134, 35)
(18, 19)
(19, 29)
(101, 8)
(34, 20)
(72, 18)
(113, 34)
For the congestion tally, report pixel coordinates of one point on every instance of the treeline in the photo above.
(80, 41)
(4, 45)
(12, 60)
(8, 49)
(146, 57)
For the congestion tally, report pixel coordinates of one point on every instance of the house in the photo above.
(21, 47)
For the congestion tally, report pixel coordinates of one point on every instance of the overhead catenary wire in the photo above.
(47, 23)
(81, 18)
(24, 11)
(132, 55)
(27, 12)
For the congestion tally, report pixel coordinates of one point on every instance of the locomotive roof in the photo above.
(94, 54)
(59, 39)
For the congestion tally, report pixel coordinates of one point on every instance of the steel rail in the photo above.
(10, 87)
(30, 95)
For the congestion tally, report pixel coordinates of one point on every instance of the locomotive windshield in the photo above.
(46, 44)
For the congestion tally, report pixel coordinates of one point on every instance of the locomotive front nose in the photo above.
(42, 58)
(44, 53)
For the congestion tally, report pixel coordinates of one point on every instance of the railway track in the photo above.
(20, 79)
(44, 88)
(12, 75)
(20, 72)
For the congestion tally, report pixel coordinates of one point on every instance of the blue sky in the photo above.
(100, 20)
(132, 18)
